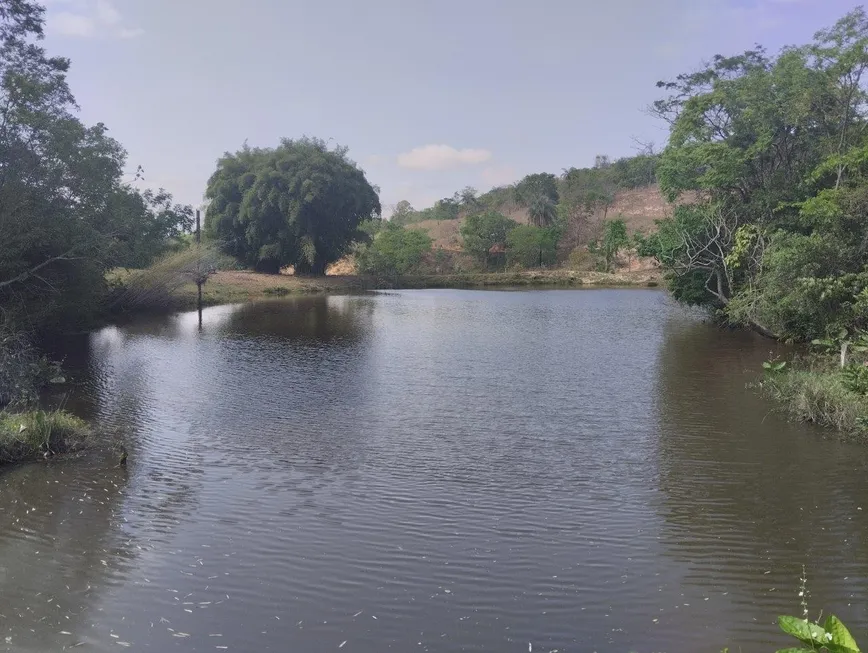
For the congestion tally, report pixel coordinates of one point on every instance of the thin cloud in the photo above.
(88, 19)
(441, 157)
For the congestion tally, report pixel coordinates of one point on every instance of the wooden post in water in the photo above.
(199, 265)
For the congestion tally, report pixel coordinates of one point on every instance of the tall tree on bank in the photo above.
(776, 148)
(297, 204)
(63, 203)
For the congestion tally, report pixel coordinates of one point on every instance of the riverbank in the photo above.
(28, 435)
(234, 286)
(817, 390)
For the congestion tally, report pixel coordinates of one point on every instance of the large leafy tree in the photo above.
(776, 149)
(535, 186)
(298, 204)
(60, 187)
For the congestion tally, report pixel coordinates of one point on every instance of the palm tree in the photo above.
(542, 211)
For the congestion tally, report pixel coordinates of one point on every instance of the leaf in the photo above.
(793, 650)
(841, 637)
(804, 631)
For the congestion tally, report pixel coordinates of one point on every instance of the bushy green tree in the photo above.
(484, 232)
(404, 213)
(65, 213)
(542, 211)
(298, 204)
(537, 185)
(148, 224)
(529, 246)
(614, 240)
(776, 149)
(394, 251)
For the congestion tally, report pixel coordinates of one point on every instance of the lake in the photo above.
(571, 470)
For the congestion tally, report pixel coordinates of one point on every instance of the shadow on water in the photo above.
(749, 497)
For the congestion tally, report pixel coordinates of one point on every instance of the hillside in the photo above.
(639, 207)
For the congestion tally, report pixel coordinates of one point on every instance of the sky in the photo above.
(428, 95)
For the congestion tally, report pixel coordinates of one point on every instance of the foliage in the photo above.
(855, 378)
(774, 366)
(535, 186)
(818, 392)
(298, 204)
(542, 211)
(637, 171)
(394, 251)
(832, 636)
(529, 246)
(23, 371)
(66, 215)
(148, 225)
(25, 435)
(776, 147)
(614, 240)
(484, 236)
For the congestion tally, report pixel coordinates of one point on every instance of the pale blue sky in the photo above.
(499, 88)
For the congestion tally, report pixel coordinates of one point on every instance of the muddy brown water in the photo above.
(431, 471)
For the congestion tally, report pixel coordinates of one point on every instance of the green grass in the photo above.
(817, 394)
(27, 435)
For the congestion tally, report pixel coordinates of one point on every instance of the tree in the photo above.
(147, 224)
(65, 214)
(602, 161)
(298, 204)
(777, 148)
(528, 246)
(613, 241)
(542, 211)
(394, 251)
(469, 198)
(403, 213)
(538, 185)
(485, 235)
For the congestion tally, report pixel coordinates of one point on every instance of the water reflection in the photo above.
(60, 553)
(749, 497)
(438, 470)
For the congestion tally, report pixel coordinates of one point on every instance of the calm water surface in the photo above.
(430, 471)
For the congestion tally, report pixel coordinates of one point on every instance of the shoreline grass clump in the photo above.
(818, 391)
(30, 434)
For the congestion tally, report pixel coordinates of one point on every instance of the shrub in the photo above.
(484, 236)
(528, 246)
(394, 251)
